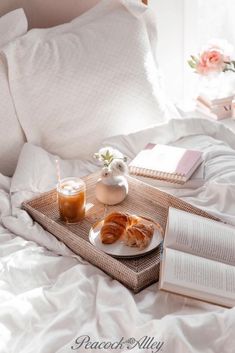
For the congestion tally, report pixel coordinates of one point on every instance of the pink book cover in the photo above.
(166, 159)
(189, 159)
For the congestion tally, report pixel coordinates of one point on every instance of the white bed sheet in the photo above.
(47, 301)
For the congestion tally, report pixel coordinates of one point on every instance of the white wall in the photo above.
(170, 18)
(47, 13)
(184, 26)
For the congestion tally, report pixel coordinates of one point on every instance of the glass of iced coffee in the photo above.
(71, 193)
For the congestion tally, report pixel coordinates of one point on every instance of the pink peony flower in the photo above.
(210, 61)
(215, 58)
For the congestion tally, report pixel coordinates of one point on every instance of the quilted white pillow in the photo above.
(76, 84)
(12, 137)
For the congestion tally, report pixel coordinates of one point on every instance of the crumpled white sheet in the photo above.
(47, 301)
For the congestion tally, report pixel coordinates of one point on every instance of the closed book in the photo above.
(195, 181)
(217, 113)
(216, 108)
(163, 162)
(215, 102)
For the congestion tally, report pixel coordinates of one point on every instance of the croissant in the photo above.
(138, 235)
(115, 225)
(111, 232)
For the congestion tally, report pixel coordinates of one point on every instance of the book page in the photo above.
(200, 236)
(198, 277)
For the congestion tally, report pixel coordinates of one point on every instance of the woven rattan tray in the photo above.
(142, 199)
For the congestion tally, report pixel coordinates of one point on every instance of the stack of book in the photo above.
(220, 108)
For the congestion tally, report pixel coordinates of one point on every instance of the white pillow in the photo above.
(81, 82)
(12, 137)
(12, 25)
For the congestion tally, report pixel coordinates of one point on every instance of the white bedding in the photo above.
(47, 301)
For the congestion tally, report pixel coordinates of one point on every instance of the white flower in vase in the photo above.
(112, 187)
(118, 167)
(106, 173)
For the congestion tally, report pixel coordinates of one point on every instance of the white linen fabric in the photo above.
(47, 301)
(12, 25)
(218, 194)
(86, 80)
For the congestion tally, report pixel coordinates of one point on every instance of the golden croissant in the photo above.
(115, 224)
(127, 227)
(139, 235)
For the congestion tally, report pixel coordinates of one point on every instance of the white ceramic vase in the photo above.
(111, 190)
(218, 85)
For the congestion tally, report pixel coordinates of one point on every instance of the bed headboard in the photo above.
(48, 13)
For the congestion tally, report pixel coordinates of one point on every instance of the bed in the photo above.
(51, 299)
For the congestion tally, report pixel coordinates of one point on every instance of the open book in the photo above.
(199, 258)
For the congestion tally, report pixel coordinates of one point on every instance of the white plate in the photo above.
(119, 249)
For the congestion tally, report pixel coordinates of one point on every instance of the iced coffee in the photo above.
(71, 194)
